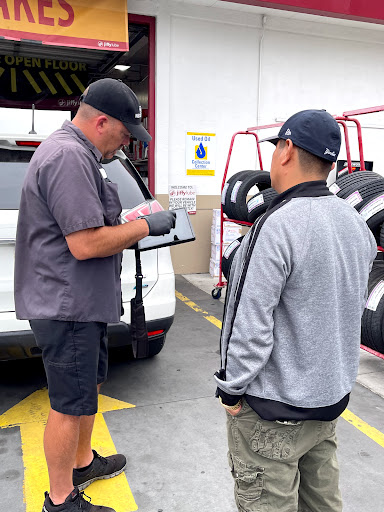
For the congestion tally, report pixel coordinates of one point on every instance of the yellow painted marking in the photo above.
(31, 416)
(200, 172)
(32, 81)
(361, 425)
(196, 308)
(1, 71)
(13, 80)
(199, 133)
(48, 83)
(78, 83)
(63, 83)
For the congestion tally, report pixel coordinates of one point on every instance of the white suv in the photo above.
(16, 338)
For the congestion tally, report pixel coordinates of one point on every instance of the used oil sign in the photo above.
(100, 25)
(200, 154)
(45, 82)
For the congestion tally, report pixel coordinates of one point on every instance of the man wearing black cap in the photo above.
(291, 331)
(67, 277)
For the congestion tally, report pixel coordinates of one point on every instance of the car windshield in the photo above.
(14, 165)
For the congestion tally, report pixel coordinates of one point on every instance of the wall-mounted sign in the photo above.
(200, 154)
(48, 83)
(183, 196)
(101, 24)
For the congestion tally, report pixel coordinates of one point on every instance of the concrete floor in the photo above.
(175, 438)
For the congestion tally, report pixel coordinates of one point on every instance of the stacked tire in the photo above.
(372, 325)
(364, 190)
(236, 190)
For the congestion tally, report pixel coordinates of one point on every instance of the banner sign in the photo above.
(48, 83)
(200, 154)
(358, 10)
(98, 24)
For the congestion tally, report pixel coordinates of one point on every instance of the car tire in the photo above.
(372, 206)
(259, 203)
(238, 190)
(361, 191)
(372, 325)
(227, 191)
(344, 186)
(228, 256)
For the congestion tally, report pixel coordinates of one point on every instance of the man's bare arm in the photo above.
(106, 240)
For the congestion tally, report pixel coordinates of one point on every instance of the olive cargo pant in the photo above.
(283, 467)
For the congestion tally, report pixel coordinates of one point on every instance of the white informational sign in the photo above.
(183, 196)
(200, 154)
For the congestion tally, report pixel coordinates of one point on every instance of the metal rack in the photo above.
(216, 292)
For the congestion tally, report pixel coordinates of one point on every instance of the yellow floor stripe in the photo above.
(196, 308)
(366, 429)
(361, 425)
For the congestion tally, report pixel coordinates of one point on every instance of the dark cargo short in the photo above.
(75, 356)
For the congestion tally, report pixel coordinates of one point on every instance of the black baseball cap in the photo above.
(116, 99)
(316, 131)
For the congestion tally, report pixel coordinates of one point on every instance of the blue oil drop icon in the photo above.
(200, 152)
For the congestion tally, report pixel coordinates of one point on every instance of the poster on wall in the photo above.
(200, 152)
(183, 196)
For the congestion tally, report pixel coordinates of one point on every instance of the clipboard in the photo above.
(180, 234)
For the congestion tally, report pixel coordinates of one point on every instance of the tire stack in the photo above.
(236, 207)
(364, 190)
(236, 190)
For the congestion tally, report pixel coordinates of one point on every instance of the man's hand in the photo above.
(160, 223)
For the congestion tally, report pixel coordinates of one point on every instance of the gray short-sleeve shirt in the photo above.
(64, 191)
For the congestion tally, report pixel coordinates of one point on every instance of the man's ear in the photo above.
(287, 152)
(333, 166)
(101, 123)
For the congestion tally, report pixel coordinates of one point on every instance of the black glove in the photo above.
(160, 223)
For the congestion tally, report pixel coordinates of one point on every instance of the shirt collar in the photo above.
(316, 188)
(69, 127)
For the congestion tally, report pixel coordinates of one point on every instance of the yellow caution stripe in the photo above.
(196, 308)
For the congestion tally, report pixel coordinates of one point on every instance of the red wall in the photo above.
(360, 10)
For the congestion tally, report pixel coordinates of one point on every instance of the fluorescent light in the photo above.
(121, 67)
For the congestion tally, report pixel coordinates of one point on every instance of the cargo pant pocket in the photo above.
(274, 440)
(248, 484)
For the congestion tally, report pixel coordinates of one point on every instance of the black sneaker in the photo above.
(75, 502)
(99, 469)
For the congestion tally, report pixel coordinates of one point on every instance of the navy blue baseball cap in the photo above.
(116, 99)
(316, 131)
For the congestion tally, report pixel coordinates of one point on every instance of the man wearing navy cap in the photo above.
(291, 330)
(67, 278)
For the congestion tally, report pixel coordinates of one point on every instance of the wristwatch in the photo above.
(230, 407)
